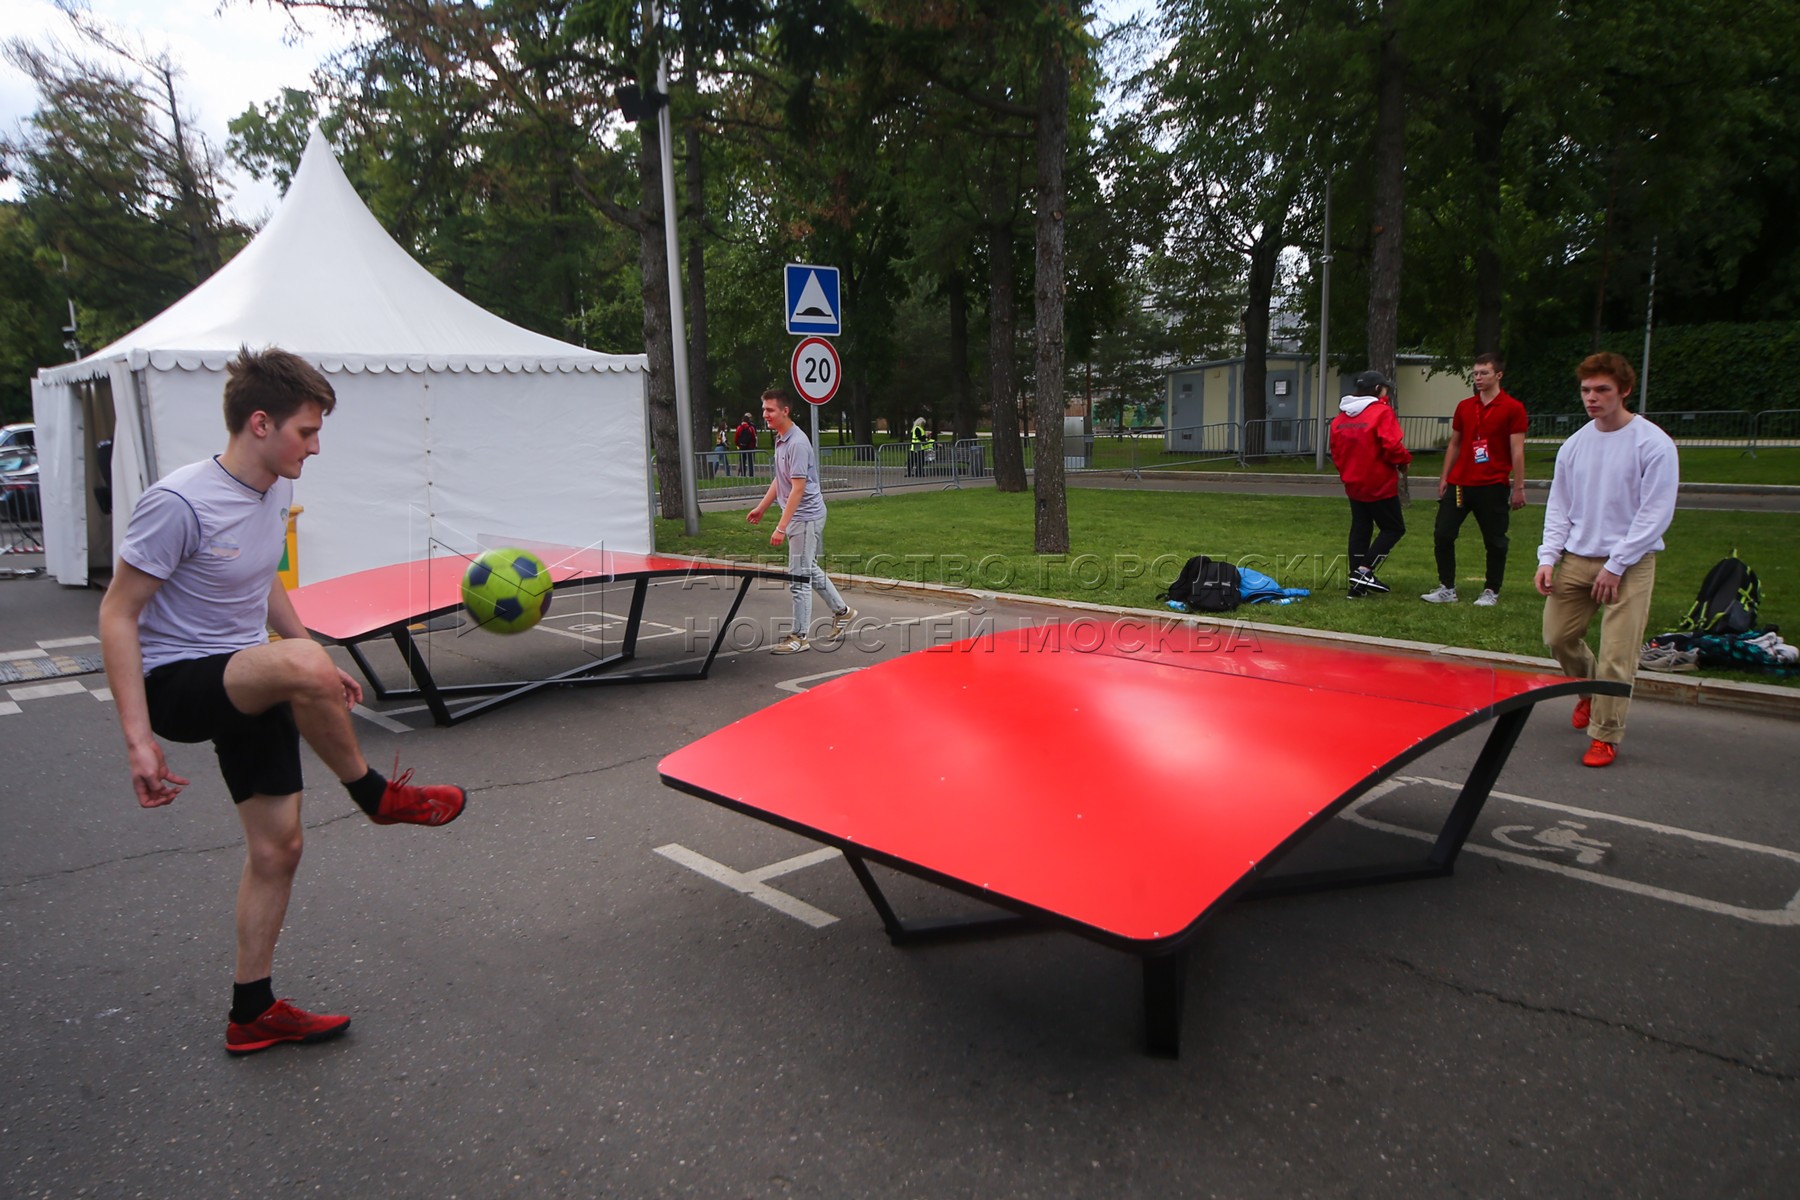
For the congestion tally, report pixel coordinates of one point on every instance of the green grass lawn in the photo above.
(1126, 546)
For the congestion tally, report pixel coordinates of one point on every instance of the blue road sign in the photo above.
(812, 300)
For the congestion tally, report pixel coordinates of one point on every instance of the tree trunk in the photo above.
(1387, 214)
(659, 341)
(1052, 507)
(962, 400)
(853, 393)
(706, 421)
(1009, 454)
(1606, 254)
(1265, 258)
(199, 212)
(1490, 133)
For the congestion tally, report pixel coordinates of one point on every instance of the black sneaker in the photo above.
(1365, 579)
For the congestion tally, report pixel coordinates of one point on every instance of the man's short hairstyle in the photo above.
(1608, 363)
(272, 381)
(781, 399)
(1492, 360)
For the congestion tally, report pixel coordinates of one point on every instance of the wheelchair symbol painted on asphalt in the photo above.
(1563, 836)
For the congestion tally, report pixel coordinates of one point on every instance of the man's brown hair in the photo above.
(1493, 360)
(1608, 363)
(272, 381)
(780, 397)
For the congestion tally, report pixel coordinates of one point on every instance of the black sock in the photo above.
(251, 1000)
(367, 791)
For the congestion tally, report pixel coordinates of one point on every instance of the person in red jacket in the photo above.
(1368, 449)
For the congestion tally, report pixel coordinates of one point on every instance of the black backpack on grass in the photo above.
(1205, 585)
(1727, 602)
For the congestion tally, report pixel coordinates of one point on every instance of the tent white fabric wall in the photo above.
(450, 422)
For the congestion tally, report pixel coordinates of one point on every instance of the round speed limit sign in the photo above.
(816, 370)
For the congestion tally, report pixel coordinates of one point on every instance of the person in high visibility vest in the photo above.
(918, 448)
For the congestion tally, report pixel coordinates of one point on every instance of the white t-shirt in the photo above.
(1613, 495)
(215, 542)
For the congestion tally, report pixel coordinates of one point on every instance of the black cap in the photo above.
(1367, 383)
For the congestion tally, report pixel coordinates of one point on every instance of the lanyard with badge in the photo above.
(1479, 447)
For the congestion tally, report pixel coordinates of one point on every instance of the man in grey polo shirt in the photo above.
(801, 525)
(184, 631)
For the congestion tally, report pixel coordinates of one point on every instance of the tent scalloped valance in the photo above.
(355, 364)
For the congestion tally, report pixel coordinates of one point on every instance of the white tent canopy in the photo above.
(451, 423)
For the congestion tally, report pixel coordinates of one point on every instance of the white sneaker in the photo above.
(793, 643)
(1488, 598)
(1440, 595)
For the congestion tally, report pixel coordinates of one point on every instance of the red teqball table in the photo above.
(387, 602)
(1044, 774)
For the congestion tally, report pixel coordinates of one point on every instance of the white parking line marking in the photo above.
(801, 682)
(799, 862)
(1788, 914)
(8, 708)
(101, 693)
(375, 718)
(17, 655)
(38, 691)
(750, 886)
(59, 643)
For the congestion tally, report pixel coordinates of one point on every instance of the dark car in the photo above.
(19, 484)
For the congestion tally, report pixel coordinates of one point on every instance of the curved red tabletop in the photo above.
(1121, 778)
(352, 607)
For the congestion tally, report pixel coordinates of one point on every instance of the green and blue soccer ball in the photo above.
(507, 591)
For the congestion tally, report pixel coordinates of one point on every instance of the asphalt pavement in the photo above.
(556, 996)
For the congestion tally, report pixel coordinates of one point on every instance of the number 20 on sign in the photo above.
(816, 370)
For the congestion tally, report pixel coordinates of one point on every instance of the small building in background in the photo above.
(1205, 403)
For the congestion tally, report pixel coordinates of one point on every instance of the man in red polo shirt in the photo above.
(1487, 448)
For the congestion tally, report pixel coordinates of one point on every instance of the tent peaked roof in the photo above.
(325, 280)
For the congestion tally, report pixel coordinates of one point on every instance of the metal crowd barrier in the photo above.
(1774, 427)
(875, 470)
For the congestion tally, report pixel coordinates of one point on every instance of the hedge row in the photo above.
(1692, 367)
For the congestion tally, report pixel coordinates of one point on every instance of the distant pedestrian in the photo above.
(1368, 449)
(718, 463)
(801, 526)
(918, 447)
(745, 440)
(1611, 500)
(1487, 446)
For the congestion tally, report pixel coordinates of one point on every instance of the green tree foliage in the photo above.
(30, 335)
(119, 192)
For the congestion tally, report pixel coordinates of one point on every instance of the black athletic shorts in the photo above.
(258, 755)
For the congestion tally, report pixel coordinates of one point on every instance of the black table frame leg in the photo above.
(1457, 826)
(592, 673)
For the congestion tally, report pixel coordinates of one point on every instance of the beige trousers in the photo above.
(1569, 610)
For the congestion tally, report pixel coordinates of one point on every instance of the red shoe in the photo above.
(1584, 709)
(282, 1023)
(1600, 754)
(434, 804)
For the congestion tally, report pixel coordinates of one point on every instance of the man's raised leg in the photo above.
(303, 676)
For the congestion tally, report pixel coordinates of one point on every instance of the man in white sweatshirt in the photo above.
(1611, 500)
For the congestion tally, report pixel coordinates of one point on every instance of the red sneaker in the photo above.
(282, 1023)
(1600, 754)
(1584, 709)
(433, 804)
